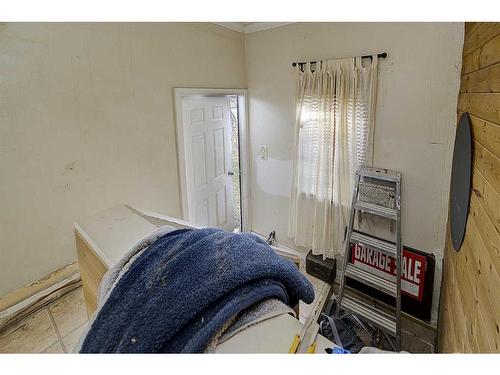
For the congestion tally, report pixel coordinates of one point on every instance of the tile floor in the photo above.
(55, 328)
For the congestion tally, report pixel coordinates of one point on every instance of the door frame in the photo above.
(179, 93)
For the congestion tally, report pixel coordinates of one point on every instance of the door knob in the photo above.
(230, 173)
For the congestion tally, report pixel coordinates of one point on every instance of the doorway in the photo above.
(211, 145)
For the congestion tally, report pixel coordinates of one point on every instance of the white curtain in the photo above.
(334, 137)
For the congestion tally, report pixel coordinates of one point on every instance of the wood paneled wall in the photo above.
(470, 300)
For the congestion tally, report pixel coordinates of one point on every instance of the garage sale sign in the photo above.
(417, 278)
(413, 266)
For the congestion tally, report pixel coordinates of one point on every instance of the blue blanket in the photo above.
(182, 290)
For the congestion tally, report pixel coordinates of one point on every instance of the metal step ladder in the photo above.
(373, 190)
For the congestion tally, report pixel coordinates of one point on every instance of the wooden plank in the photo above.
(470, 27)
(445, 334)
(45, 282)
(486, 133)
(471, 315)
(457, 321)
(487, 284)
(485, 106)
(468, 283)
(486, 80)
(469, 322)
(92, 269)
(443, 331)
(487, 196)
(449, 329)
(471, 62)
(482, 34)
(449, 339)
(12, 316)
(475, 330)
(471, 281)
(488, 164)
(486, 242)
(461, 105)
(481, 290)
(487, 55)
(487, 231)
(465, 296)
(460, 326)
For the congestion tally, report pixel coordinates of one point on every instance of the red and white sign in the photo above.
(413, 270)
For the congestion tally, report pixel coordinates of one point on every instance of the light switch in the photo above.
(263, 152)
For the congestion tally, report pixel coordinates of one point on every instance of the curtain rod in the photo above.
(382, 55)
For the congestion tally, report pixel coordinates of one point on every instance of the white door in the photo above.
(207, 150)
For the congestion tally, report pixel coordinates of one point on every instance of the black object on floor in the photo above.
(341, 332)
(325, 270)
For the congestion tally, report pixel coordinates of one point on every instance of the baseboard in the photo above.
(23, 301)
(45, 282)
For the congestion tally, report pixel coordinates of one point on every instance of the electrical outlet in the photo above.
(263, 152)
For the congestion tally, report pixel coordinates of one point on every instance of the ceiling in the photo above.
(250, 27)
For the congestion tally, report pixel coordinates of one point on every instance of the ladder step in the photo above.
(370, 279)
(374, 316)
(389, 213)
(380, 173)
(377, 194)
(374, 243)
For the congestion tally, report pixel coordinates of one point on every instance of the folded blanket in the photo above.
(185, 287)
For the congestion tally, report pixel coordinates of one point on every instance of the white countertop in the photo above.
(113, 232)
(257, 338)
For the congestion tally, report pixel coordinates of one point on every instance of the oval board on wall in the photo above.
(460, 181)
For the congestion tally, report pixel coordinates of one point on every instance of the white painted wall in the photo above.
(86, 122)
(416, 113)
